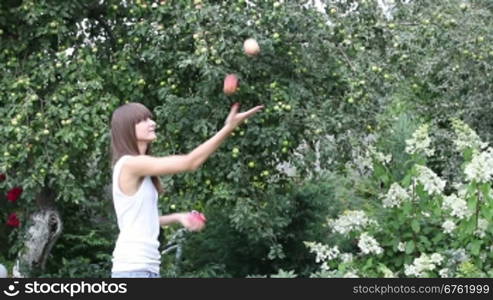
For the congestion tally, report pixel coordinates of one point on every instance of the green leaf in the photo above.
(410, 247)
(470, 226)
(415, 225)
(487, 213)
(407, 208)
(368, 264)
(468, 154)
(472, 202)
(425, 241)
(438, 237)
(407, 180)
(381, 173)
(476, 247)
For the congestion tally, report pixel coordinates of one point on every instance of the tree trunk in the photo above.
(45, 226)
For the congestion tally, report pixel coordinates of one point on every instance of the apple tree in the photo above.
(67, 65)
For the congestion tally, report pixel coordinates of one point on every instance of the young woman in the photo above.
(136, 185)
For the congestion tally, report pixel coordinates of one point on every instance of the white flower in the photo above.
(466, 137)
(154, 5)
(395, 196)
(363, 163)
(461, 190)
(351, 220)
(423, 264)
(457, 206)
(379, 156)
(351, 274)
(480, 168)
(430, 181)
(482, 226)
(436, 258)
(382, 157)
(420, 142)
(324, 266)
(410, 270)
(368, 244)
(401, 247)
(324, 253)
(458, 255)
(387, 273)
(346, 257)
(444, 273)
(448, 226)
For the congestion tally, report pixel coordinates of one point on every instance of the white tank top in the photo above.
(137, 245)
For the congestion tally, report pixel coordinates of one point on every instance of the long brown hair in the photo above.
(123, 138)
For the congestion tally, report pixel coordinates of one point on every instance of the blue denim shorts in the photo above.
(134, 274)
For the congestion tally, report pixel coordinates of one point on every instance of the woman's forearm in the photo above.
(200, 154)
(169, 219)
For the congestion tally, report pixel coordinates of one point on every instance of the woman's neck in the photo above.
(142, 147)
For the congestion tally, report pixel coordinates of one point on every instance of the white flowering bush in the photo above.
(395, 196)
(420, 142)
(350, 221)
(419, 225)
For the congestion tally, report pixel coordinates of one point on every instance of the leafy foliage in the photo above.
(332, 80)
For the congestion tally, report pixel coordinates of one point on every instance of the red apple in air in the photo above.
(251, 47)
(230, 84)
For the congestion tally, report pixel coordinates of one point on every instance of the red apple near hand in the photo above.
(251, 47)
(230, 84)
(199, 216)
(196, 220)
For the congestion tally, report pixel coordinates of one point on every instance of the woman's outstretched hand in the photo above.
(235, 118)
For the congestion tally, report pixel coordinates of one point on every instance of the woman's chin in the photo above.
(149, 139)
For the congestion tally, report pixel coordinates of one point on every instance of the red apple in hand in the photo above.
(196, 221)
(251, 47)
(230, 84)
(199, 216)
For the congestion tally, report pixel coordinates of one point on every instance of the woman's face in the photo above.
(145, 130)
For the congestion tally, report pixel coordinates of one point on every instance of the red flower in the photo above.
(13, 220)
(2, 177)
(14, 194)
